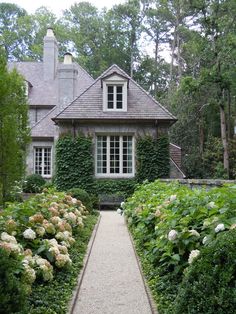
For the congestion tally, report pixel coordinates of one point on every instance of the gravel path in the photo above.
(112, 282)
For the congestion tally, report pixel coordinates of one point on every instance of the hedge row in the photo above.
(178, 236)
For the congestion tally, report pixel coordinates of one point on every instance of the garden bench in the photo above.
(110, 200)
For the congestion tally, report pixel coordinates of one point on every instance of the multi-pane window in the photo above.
(114, 96)
(115, 155)
(43, 161)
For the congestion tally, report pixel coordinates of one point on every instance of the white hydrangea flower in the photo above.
(62, 260)
(40, 231)
(74, 201)
(71, 217)
(8, 238)
(211, 205)
(172, 235)
(30, 274)
(122, 204)
(29, 234)
(119, 211)
(54, 250)
(204, 240)
(173, 198)
(193, 255)
(219, 228)
(194, 233)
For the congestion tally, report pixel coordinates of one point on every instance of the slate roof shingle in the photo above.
(89, 105)
(46, 92)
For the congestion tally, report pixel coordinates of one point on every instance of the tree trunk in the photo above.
(172, 55)
(224, 139)
(156, 62)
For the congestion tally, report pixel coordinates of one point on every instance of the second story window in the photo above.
(115, 93)
(115, 97)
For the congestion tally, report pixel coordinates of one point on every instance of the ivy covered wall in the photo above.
(75, 164)
(152, 157)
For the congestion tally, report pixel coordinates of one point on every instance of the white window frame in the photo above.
(108, 174)
(43, 161)
(114, 82)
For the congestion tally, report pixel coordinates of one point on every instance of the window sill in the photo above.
(114, 176)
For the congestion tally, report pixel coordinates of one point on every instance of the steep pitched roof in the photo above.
(46, 92)
(45, 127)
(89, 105)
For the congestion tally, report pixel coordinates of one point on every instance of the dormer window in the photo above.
(115, 93)
(114, 96)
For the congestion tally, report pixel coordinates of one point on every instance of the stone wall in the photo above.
(201, 183)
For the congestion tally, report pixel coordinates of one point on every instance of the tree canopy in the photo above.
(14, 133)
(182, 52)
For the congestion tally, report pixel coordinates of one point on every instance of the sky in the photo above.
(56, 6)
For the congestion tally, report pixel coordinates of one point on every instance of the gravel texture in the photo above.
(112, 283)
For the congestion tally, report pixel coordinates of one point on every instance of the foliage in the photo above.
(13, 289)
(195, 80)
(14, 30)
(170, 224)
(74, 163)
(209, 283)
(54, 296)
(124, 187)
(14, 132)
(33, 184)
(152, 158)
(89, 200)
(40, 232)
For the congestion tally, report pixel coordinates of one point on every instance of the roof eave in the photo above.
(170, 121)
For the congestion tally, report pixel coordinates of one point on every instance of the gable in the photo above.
(140, 105)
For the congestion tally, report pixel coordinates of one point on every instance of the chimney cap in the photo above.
(67, 58)
(50, 32)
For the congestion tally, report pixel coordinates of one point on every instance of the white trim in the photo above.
(176, 146)
(115, 83)
(109, 174)
(47, 176)
(175, 164)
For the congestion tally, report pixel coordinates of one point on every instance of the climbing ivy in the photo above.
(74, 163)
(124, 187)
(152, 157)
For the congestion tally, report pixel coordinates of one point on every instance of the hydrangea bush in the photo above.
(39, 233)
(171, 224)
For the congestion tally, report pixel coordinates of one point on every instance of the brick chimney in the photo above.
(67, 74)
(50, 55)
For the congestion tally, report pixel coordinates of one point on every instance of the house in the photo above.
(114, 109)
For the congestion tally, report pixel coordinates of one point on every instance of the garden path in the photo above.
(112, 283)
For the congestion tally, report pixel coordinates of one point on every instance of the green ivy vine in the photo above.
(152, 157)
(74, 163)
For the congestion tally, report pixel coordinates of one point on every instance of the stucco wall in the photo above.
(30, 155)
(126, 127)
(37, 114)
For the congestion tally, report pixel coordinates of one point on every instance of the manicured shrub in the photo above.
(89, 200)
(33, 184)
(171, 224)
(209, 285)
(13, 290)
(38, 236)
(123, 187)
